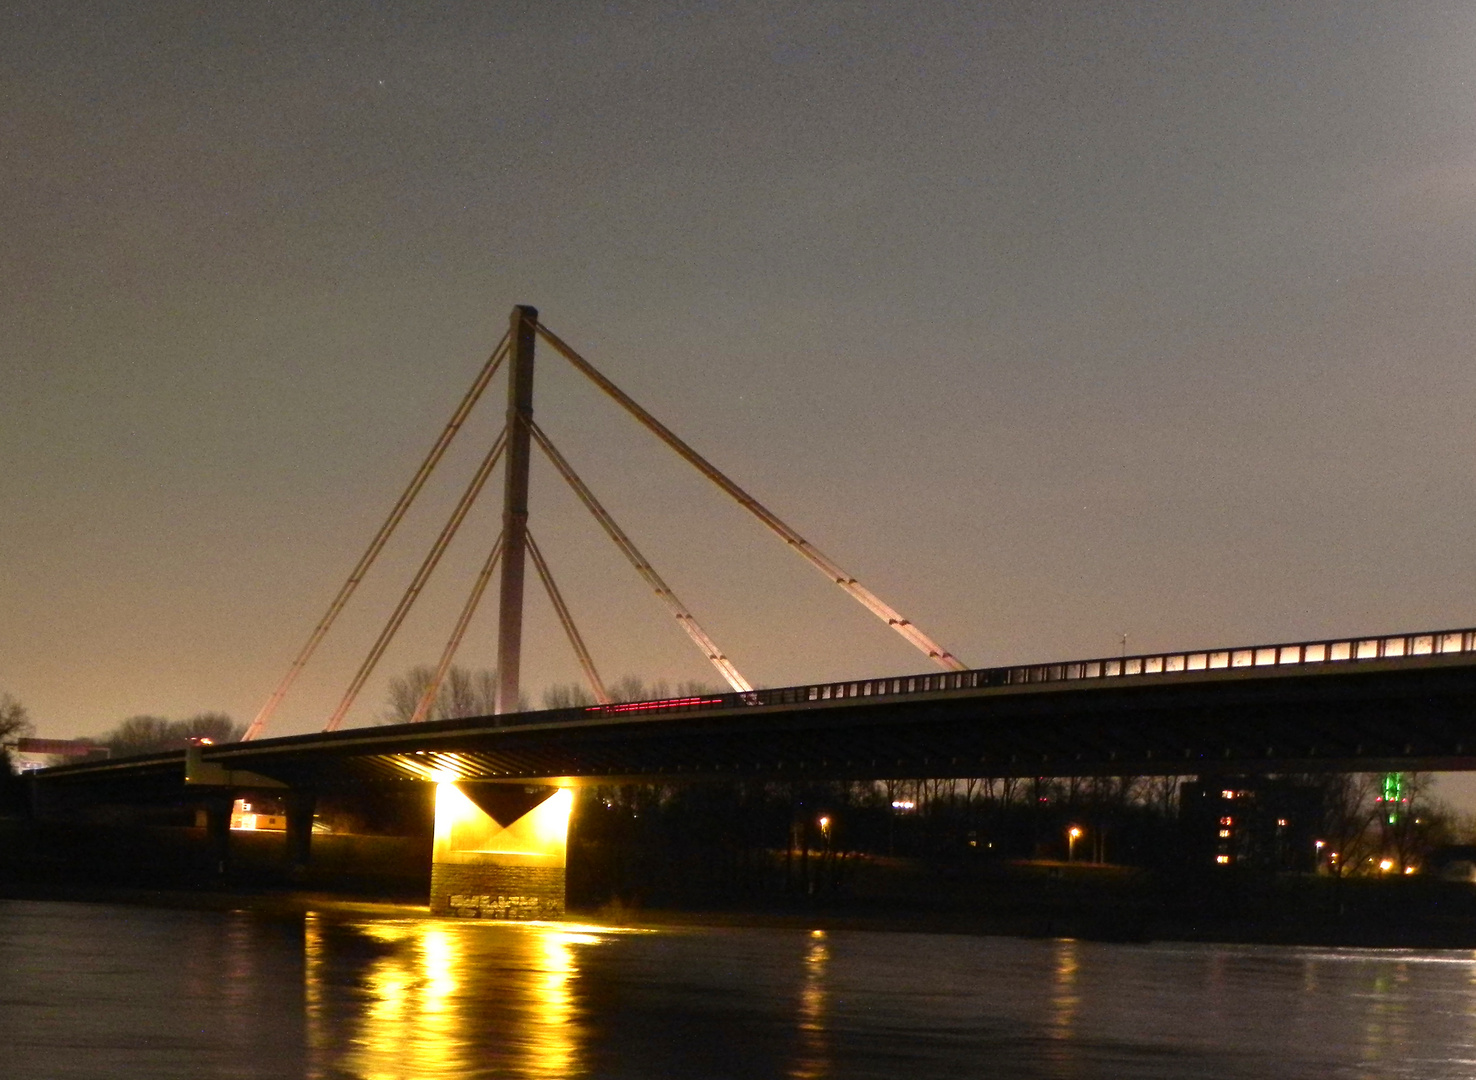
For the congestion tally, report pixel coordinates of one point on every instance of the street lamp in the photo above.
(1072, 835)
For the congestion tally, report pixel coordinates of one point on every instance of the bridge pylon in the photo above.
(522, 333)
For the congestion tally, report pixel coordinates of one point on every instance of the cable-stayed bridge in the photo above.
(514, 545)
(1389, 702)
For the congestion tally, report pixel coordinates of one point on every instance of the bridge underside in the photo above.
(1374, 717)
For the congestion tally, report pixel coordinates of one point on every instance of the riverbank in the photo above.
(1306, 913)
(169, 867)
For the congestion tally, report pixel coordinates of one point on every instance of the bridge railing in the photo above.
(1330, 651)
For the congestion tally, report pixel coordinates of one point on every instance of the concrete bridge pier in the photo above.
(499, 851)
(299, 806)
(217, 806)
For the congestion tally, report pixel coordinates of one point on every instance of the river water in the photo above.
(95, 990)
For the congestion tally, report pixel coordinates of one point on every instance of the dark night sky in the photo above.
(1050, 322)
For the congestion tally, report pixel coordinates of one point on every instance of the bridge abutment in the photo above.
(499, 851)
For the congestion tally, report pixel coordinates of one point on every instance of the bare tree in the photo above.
(1408, 832)
(1161, 794)
(137, 735)
(1349, 816)
(15, 721)
(155, 734)
(468, 693)
(15, 724)
(634, 688)
(463, 692)
(215, 726)
(405, 692)
(566, 696)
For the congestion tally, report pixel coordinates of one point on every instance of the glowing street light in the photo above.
(1072, 835)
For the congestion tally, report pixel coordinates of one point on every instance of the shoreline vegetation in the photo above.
(1082, 926)
(1019, 898)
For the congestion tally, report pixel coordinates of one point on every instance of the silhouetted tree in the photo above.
(15, 721)
(155, 734)
(15, 724)
(463, 692)
(215, 726)
(1161, 794)
(1419, 826)
(1349, 820)
(469, 693)
(137, 735)
(566, 696)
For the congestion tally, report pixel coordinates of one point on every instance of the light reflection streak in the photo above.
(312, 996)
(1065, 1000)
(392, 999)
(239, 976)
(1470, 1041)
(814, 1051)
(552, 1050)
(438, 1016)
(1385, 1031)
(1065, 1003)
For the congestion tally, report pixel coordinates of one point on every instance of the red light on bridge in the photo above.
(653, 706)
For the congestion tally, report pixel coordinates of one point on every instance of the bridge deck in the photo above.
(1397, 701)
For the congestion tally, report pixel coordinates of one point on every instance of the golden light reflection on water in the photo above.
(391, 1000)
(312, 993)
(552, 1044)
(1385, 1026)
(1065, 997)
(813, 1062)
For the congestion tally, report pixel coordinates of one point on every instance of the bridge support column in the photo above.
(218, 807)
(299, 806)
(499, 851)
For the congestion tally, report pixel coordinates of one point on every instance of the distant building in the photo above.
(1257, 822)
(266, 817)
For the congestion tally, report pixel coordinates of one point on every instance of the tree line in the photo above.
(473, 692)
(655, 844)
(464, 692)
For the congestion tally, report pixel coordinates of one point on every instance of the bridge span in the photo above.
(1400, 701)
(1396, 702)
